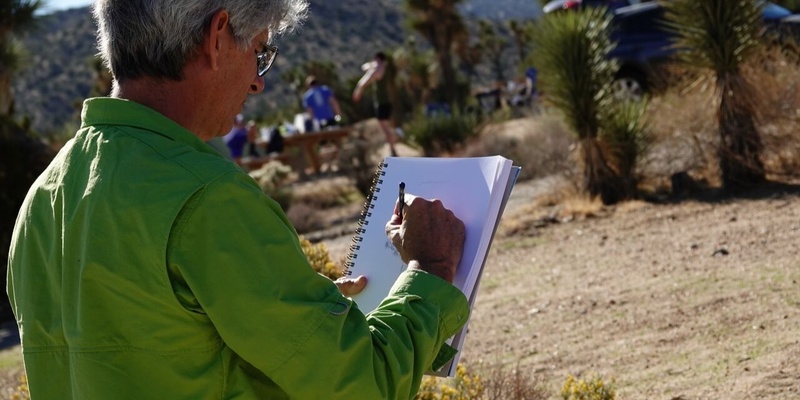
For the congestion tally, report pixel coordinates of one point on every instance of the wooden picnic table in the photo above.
(310, 143)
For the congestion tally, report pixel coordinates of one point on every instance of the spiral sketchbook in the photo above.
(476, 190)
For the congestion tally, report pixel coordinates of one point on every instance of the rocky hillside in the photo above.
(346, 32)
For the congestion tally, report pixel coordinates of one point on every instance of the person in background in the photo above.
(379, 74)
(145, 265)
(236, 139)
(251, 148)
(274, 141)
(321, 104)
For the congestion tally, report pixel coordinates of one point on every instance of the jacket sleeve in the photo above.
(243, 267)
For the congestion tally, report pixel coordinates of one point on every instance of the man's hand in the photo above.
(429, 237)
(349, 286)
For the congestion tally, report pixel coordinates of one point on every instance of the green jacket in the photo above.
(144, 265)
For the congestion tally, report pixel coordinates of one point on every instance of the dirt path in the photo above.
(696, 300)
(688, 301)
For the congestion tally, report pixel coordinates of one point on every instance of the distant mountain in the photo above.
(502, 9)
(58, 74)
(346, 32)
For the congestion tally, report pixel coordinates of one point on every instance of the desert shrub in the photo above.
(541, 149)
(305, 218)
(626, 136)
(359, 157)
(320, 259)
(320, 204)
(272, 178)
(592, 388)
(777, 73)
(441, 133)
(513, 385)
(685, 144)
(22, 392)
(325, 194)
(464, 386)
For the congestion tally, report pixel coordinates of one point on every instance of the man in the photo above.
(144, 265)
(321, 104)
(379, 74)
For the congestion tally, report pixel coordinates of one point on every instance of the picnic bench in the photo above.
(311, 144)
(314, 146)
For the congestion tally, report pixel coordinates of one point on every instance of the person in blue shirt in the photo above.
(321, 104)
(236, 139)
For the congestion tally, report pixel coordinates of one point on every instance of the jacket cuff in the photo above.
(453, 305)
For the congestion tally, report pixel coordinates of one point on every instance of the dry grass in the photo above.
(321, 203)
(683, 120)
(540, 145)
(11, 373)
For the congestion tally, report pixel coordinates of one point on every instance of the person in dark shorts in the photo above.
(379, 74)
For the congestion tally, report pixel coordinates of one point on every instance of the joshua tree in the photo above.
(793, 5)
(15, 17)
(571, 53)
(521, 32)
(440, 23)
(493, 46)
(417, 72)
(720, 36)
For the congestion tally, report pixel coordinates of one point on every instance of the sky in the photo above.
(52, 5)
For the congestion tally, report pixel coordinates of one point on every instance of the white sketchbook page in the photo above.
(464, 185)
(457, 341)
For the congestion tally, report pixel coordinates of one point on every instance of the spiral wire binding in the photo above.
(363, 220)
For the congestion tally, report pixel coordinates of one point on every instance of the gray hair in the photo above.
(156, 38)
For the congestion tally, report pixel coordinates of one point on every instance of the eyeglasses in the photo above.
(265, 58)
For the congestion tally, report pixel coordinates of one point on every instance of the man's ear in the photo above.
(215, 37)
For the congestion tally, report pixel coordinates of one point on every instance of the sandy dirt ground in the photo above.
(689, 300)
(698, 299)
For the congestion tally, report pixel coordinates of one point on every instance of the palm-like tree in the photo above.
(793, 5)
(493, 46)
(440, 23)
(521, 33)
(720, 36)
(571, 53)
(417, 72)
(469, 55)
(15, 17)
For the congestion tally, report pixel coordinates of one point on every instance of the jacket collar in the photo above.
(121, 112)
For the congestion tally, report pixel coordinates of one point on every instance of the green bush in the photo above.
(626, 135)
(441, 133)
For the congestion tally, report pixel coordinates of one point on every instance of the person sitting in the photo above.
(274, 141)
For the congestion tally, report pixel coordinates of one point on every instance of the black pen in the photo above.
(401, 200)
